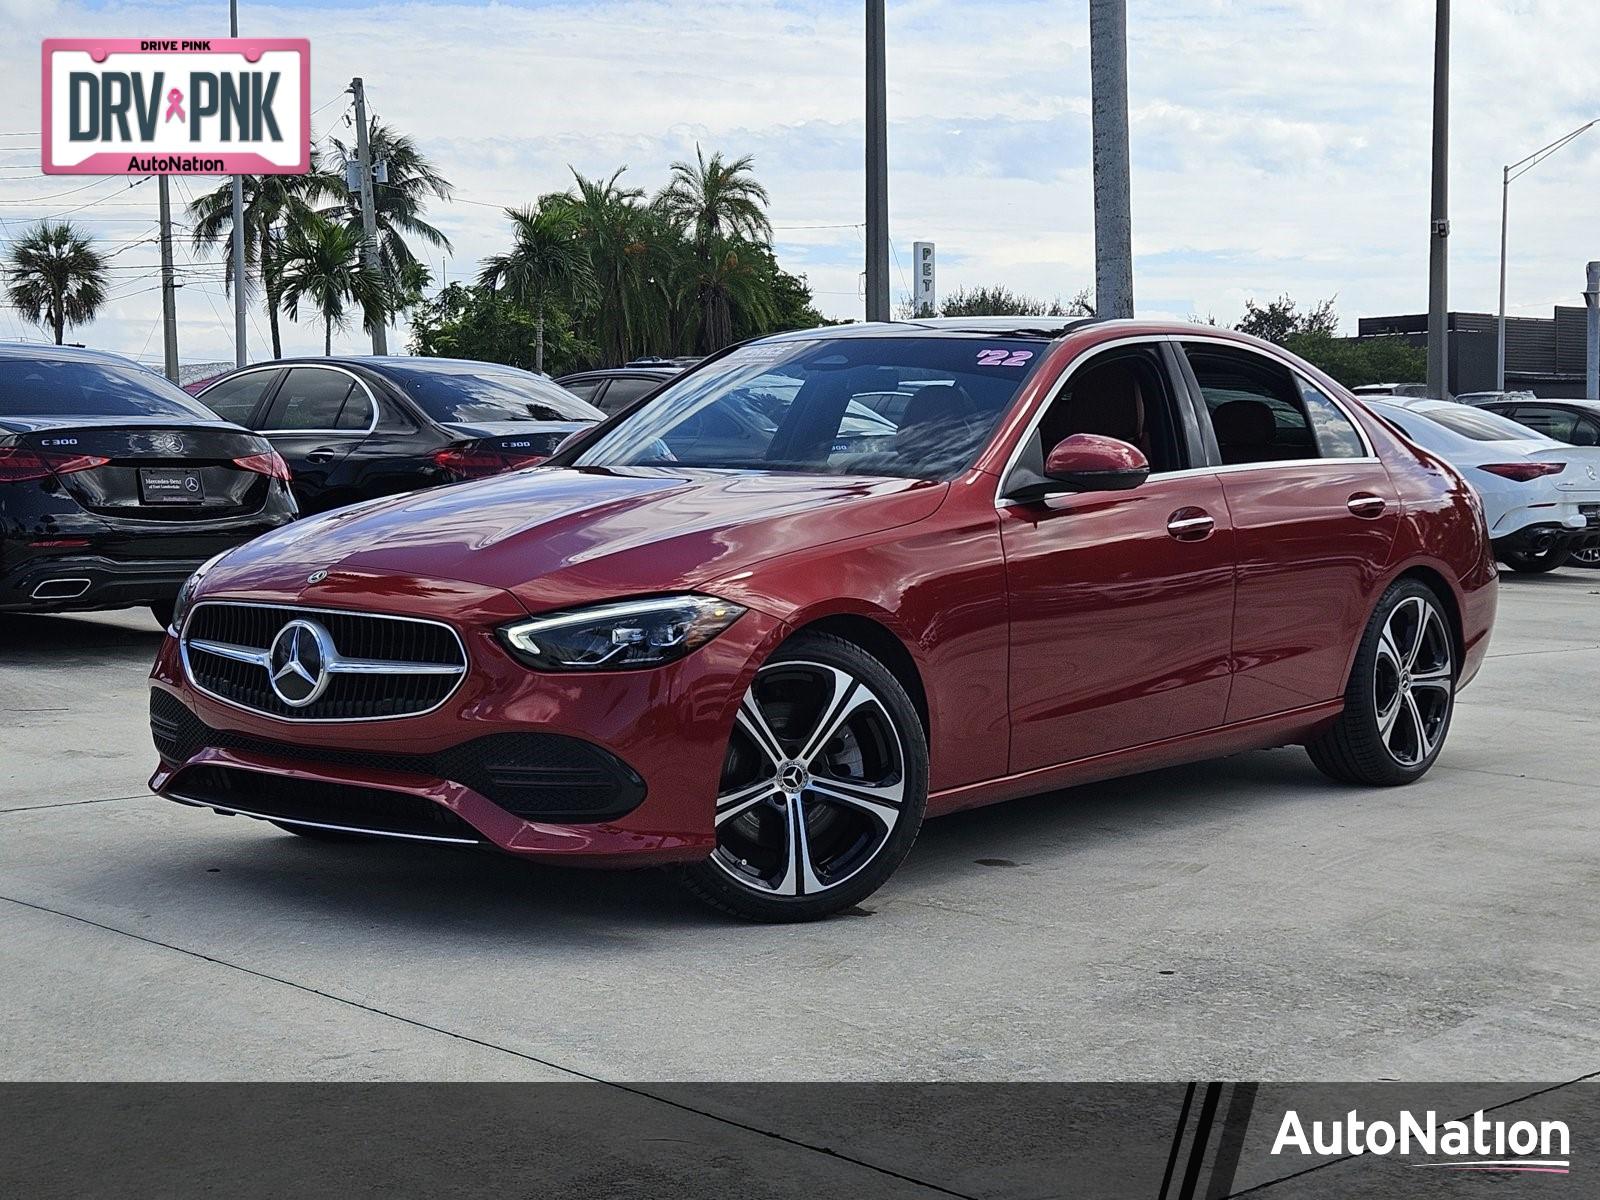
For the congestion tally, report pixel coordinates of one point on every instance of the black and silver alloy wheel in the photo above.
(823, 788)
(1401, 694)
(1413, 680)
(1588, 557)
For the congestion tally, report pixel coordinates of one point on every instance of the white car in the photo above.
(1541, 496)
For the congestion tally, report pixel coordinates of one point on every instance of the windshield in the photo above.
(470, 392)
(1478, 424)
(83, 388)
(818, 406)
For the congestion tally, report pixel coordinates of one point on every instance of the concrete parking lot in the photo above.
(1239, 919)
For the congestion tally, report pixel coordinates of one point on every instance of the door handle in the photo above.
(1362, 504)
(320, 456)
(1191, 524)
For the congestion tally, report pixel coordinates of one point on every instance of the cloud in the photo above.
(1277, 146)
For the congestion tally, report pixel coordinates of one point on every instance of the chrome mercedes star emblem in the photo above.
(299, 662)
(316, 577)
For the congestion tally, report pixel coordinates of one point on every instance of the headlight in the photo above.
(623, 636)
(185, 600)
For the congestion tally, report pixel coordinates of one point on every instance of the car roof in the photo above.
(48, 350)
(1030, 326)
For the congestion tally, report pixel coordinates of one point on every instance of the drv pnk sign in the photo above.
(212, 106)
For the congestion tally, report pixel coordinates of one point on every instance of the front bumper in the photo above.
(666, 728)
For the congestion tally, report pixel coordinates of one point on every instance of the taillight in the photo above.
(473, 463)
(271, 463)
(1522, 472)
(17, 464)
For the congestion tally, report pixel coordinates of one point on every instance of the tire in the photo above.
(1588, 558)
(313, 834)
(163, 610)
(1401, 696)
(826, 745)
(1527, 562)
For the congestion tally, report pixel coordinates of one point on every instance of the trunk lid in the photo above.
(154, 470)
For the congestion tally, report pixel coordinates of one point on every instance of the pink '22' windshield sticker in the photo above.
(1004, 358)
(171, 106)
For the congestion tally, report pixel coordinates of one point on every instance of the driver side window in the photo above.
(1124, 394)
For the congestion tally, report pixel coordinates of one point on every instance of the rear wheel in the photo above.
(1401, 694)
(1536, 562)
(1588, 557)
(823, 787)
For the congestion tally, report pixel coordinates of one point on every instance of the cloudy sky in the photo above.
(1278, 146)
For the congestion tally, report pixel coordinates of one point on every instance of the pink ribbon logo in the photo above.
(175, 105)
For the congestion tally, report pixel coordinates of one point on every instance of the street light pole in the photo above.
(1515, 171)
(239, 349)
(877, 166)
(1439, 219)
(1113, 217)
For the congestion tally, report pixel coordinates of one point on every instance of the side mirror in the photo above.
(1085, 462)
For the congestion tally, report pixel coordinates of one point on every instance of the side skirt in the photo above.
(1259, 733)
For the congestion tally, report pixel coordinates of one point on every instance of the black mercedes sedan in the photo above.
(354, 429)
(115, 485)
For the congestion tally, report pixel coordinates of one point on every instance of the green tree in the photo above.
(473, 321)
(398, 204)
(1279, 320)
(717, 203)
(1000, 301)
(273, 205)
(546, 262)
(55, 277)
(616, 234)
(323, 266)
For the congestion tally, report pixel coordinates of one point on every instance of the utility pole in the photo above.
(239, 349)
(369, 216)
(169, 299)
(1439, 226)
(1113, 216)
(877, 166)
(1591, 299)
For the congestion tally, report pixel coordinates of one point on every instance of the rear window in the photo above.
(1477, 424)
(80, 388)
(469, 392)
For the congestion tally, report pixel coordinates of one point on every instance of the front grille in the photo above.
(537, 776)
(277, 797)
(355, 636)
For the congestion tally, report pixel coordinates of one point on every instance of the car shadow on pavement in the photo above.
(464, 895)
(37, 639)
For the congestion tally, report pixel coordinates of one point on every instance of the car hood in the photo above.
(554, 537)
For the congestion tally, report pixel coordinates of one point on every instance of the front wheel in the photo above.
(1401, 694)
(1536, 562)
(823, 788)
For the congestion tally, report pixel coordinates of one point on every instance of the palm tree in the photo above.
(322, 263)
(732, 281)
(546, 261)
(399, 203)
(273, 205)
(615, 232)
(55, 277)
(714, 200)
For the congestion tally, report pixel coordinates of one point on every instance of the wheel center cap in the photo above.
(793, 777)
(1405, 680)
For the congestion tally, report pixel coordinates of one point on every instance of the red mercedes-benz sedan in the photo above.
(833, 582)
